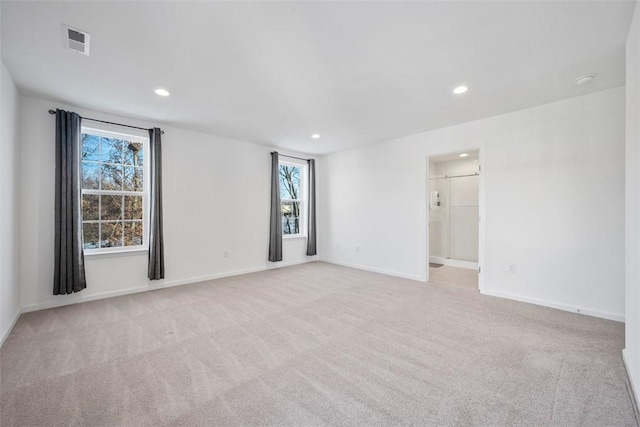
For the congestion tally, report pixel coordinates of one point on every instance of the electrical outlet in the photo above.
(357, 248)
(512, 268)
(225, 254)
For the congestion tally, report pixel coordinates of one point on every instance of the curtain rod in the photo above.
(291, 157)
(454, 176)
(110, 123)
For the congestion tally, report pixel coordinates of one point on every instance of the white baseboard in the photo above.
(557, 305)
(159, 285)
(471, 265)
(374, 270)
(5, 334)
(634, 386)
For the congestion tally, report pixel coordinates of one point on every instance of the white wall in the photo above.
(216, 198)
(453, 167)
(9, 204)
(632, 211)
(554, 179)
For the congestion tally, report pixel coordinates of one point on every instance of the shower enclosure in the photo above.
(453, 218)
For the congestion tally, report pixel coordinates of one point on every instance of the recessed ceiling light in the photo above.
(464, 155)
(315, 136)
(162, 92)
(460, 89)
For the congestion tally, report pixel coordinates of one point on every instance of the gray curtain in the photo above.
(275, 226)
(156, 237)
(69, 275)
(311, 232)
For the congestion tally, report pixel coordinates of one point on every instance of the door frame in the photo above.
(482, 192)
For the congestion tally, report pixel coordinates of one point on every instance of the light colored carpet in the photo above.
(314, 344)
(454, 276)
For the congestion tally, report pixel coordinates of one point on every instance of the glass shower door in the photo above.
(439, 218)
(463, 218)
(453, 219)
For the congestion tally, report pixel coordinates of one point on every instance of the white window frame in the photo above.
(304, 176)
(133, 136)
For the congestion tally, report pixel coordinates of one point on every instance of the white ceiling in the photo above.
(276, 72)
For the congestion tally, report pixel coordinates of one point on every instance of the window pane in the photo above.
(111, 235)
(90, 207)
(112, 164)
(90, 236)
(133, 153)
(132, 207)
(111, 207)
(90, 144)
(291, 218)
(90, 176)
(111, 150)
(111, 177)
(289, 182)
(132, 178)
(133, 233)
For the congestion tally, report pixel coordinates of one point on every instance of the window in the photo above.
(114, 195)
(292, 197)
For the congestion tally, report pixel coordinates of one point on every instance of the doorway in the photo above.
(454, 202)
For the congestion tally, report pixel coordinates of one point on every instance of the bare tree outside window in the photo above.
(290, 198)
(112, 192)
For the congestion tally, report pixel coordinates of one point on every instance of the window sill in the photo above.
(293, 236)
(116, 254)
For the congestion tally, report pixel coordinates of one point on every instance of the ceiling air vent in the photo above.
(77, 40)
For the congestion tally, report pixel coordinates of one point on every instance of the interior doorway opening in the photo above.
(454, 215)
